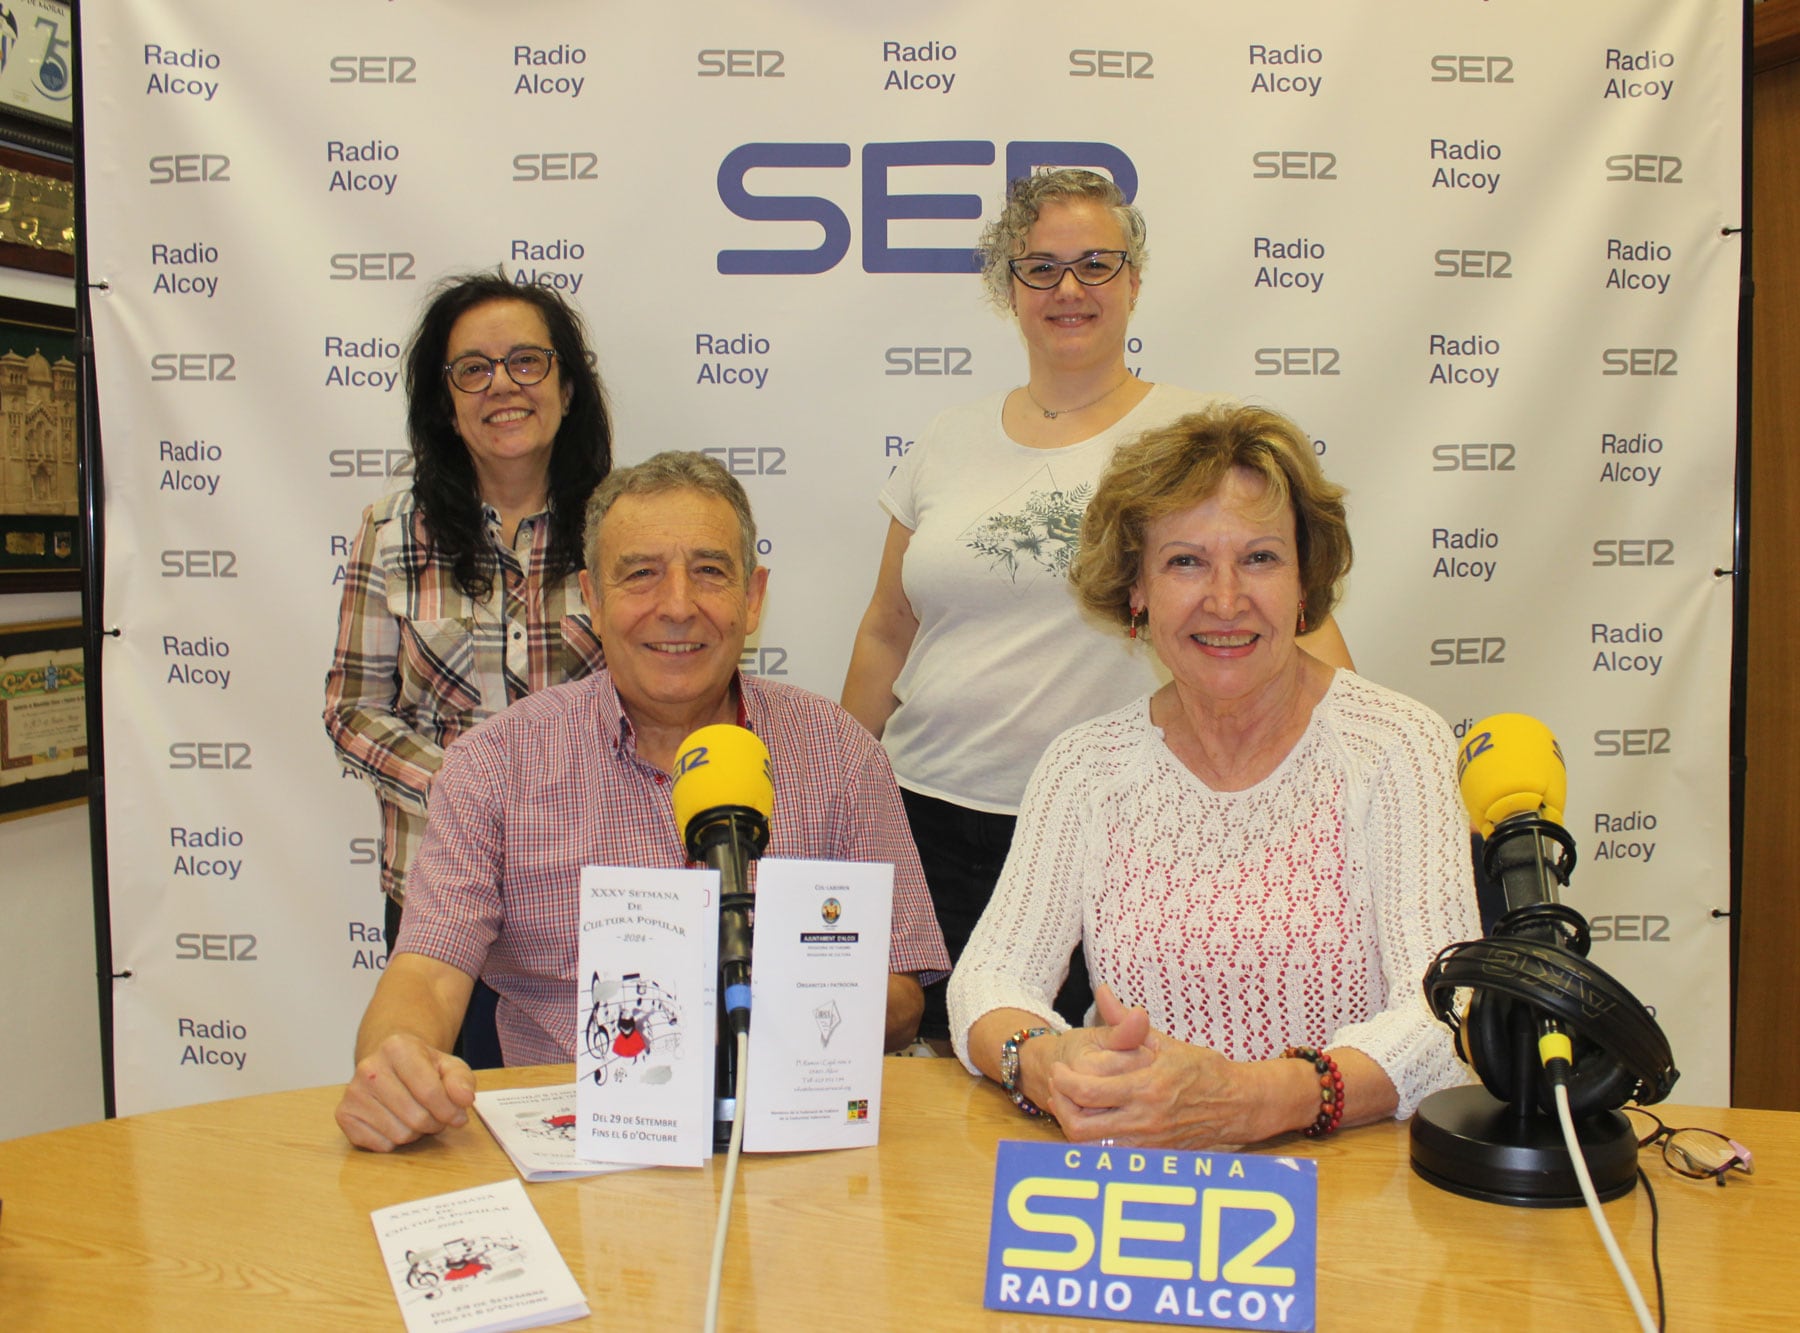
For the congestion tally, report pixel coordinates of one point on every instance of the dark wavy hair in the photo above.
(444, 483)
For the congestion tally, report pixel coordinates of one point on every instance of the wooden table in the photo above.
(254, 1214)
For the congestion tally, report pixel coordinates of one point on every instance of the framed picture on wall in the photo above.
(43, 717)
(37, 212)
(37, 58)
(40, 489)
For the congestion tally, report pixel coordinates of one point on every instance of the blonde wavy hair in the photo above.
(1183, 464)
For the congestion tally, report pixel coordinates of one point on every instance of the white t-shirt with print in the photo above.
(1004, 660)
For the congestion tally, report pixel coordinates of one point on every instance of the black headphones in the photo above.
(1535, 966)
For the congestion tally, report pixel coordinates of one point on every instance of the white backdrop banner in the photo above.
(1485, 253)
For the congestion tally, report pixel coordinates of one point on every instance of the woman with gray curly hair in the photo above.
(972, 654)
(1261, 858)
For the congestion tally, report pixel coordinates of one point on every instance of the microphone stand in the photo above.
(1468, 1140)
(720, 839)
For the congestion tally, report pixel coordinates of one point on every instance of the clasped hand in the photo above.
(404, 1090)
(1128, 1083)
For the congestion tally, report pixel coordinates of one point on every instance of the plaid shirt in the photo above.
(418, 662)
(555, 784)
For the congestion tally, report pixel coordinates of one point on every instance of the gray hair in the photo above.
(1003, 239)
(672, 470)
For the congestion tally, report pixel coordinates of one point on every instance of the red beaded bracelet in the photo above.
(1331, 1089)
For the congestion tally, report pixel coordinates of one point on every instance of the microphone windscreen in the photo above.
(722, 765)
(1511, 765)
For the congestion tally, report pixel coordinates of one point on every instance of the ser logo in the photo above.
(364, 851)
(199, 564)
(193, 367)
(1472, 264)
(1473, 748)
(764, 661)
(741, 63)
(1630, 928)
(1095, 64)
(880, 204)
(195, 946)
(209, 754)
(1488, 650)
(928, 361)
(1297, 361)
(373, 69)
(1471, 69)
(1294, 164)
(373, 266)
(1473, 456)
(1637, 552)
(575, 165)
(1620, 742)
(743, 460)
(370, 463)
(189, 168)
(1638, 361)
(1650, 168)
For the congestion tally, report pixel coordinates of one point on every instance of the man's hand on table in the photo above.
(402, 1091)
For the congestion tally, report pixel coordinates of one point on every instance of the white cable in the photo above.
(1579, 1162)
(731, 1166)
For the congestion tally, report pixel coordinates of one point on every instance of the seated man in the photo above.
(579, 775)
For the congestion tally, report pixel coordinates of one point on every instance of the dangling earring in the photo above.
(1136, 619)
(1301, 628)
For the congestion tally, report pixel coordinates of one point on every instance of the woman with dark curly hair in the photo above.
(461, 593)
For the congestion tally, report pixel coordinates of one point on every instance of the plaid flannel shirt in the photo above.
(419, 662)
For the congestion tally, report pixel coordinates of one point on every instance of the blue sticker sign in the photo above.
(1154, 1235)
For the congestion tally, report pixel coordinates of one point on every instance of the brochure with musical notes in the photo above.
(475, 1261)
(535, 1127)
(818, 1005)
(645, 1021)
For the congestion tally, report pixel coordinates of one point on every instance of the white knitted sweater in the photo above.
(1303, 910)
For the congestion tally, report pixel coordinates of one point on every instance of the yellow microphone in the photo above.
(721, 767)
(1515, 784)
(1511, 765)
(724, 794)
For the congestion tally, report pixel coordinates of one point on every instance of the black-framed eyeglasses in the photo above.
(524, 366)
(1094, 269)
(1700, 1154)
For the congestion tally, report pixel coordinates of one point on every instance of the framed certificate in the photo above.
(43, 717)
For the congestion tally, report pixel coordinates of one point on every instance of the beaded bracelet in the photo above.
(1009, 1068)
(1331, 1089)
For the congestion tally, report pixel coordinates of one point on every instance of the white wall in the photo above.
(49, 1010)
(50, 1038)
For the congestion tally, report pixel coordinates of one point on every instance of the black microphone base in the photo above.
(1469, 1142)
